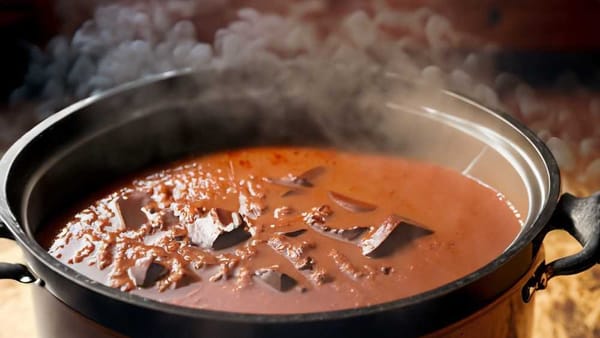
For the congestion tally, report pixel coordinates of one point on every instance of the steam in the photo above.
(125, 42)
(122, 43)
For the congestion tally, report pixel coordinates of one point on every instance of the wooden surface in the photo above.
(16, 310)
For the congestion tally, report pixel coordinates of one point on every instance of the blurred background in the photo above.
(538, 60)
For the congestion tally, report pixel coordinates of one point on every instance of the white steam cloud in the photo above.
(125, 42)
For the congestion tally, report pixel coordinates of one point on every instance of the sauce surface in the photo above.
(286, 230)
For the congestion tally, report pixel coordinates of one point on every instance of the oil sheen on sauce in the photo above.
(285, 230)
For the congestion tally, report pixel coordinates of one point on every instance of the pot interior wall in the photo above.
(140, 126)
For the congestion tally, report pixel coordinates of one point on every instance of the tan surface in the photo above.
(570, 305)
(16, 310)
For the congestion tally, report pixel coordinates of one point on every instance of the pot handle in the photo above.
(580, 217)
(4, 232)
(15, 271)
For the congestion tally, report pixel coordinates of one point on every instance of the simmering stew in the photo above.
(285, 230)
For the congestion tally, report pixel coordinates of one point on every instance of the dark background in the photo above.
(538, 39)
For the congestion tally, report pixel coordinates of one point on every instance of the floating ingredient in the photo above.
(349, 203)
(218, 229)
(387, 237)
(145, 272)
(275, 279)
(129, 209)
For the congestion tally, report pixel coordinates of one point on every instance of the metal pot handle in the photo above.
(580, 217)
(4, 232)
(15, 271)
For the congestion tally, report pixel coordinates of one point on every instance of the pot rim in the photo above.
(28, 243)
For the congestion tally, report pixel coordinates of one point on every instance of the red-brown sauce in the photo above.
(286, 230)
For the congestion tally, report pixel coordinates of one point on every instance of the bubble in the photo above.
(531, 108)
(126, 26)
(142, 27)
(562, 153)
(108, 68)
(182, 9)
(432, 74)
(83, 39)
(140, 52)
(589, 146)
(182, 32)
(473, 64)
(568, 123)
(505, 82)
(200, 55)
(360, 29)
(461, 81)
(544, 123)
(543, 134)
(160, 19)
(486, 95)
(230, 47)
(438, 32)
(592, 171)
(181, 54)
(300, 38)
(106, 16)
(248, 14)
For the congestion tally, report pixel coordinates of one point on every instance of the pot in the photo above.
(93, 142)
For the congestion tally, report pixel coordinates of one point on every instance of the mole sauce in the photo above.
(285, 230)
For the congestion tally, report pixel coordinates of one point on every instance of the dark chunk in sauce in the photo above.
(285, 230)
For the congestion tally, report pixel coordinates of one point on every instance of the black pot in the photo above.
(100, 139)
